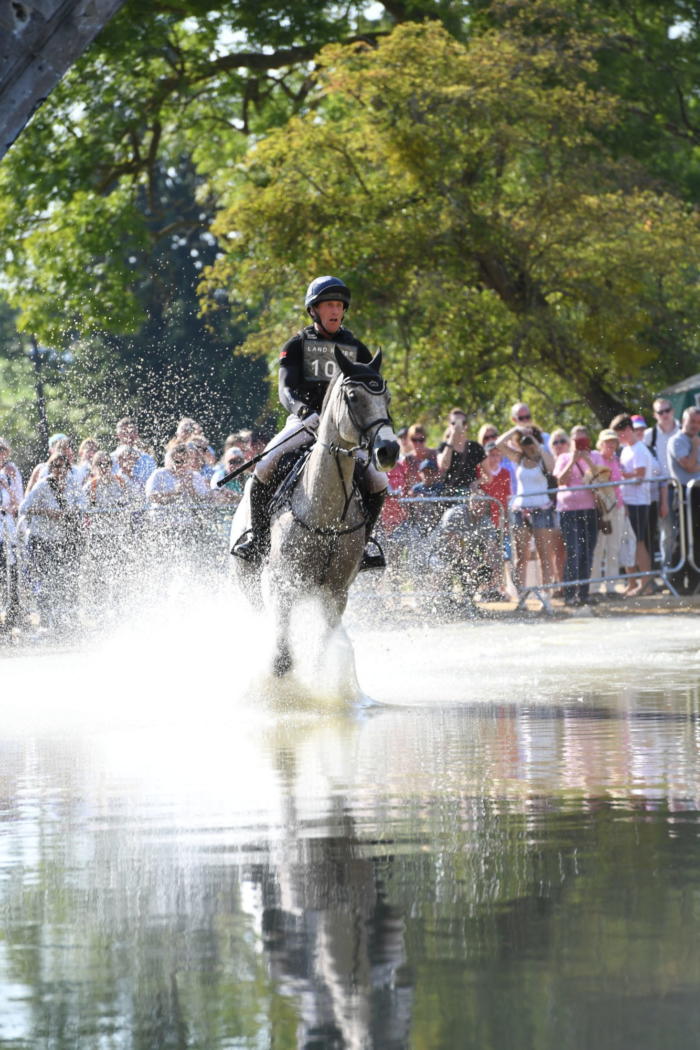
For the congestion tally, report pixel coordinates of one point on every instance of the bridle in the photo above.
(375, 385)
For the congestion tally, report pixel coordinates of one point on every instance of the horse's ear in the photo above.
(376, 362)
(344, 363)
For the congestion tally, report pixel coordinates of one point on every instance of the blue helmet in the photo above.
(322, 289)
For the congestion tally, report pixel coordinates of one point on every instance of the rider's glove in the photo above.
(310, 419)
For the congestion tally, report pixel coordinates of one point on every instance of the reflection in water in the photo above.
(188, 858)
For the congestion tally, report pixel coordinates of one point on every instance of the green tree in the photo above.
(107, 197)
(467, 193)
(160, 89)
(167, 93)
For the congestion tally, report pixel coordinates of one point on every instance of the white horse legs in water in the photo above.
(318, 536)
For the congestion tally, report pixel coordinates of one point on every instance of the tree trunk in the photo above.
(604, 404)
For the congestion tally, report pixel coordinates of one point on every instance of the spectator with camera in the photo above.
(420, 450)
(127, 433)
(533, 512)
(54, 513)
(458, 458)
(577, 515)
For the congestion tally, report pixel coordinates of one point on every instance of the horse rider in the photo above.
(307, 366)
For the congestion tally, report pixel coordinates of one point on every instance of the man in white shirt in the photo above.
(637, 465)
(656, 438)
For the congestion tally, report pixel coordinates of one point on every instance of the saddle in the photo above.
(288, 473)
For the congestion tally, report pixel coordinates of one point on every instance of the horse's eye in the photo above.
(352, 395)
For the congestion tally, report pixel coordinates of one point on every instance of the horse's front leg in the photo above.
(282, 661)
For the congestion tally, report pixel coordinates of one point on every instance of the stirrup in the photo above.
(248, 548)
(372, 561)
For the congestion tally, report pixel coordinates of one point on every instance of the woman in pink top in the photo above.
(577, 515)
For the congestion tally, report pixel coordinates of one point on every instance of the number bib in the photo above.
(319, 361)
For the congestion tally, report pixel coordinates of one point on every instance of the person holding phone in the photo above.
(458, 458)
(577, 515)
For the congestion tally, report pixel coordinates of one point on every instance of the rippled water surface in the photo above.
(501, 852)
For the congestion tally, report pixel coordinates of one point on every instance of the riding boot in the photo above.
(253, 545)
(373, 501)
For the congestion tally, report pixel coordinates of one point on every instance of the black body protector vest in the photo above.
(307, 366)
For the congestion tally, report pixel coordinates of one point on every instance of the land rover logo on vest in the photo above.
(319, 362)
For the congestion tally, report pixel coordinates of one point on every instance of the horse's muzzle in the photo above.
(386, 454)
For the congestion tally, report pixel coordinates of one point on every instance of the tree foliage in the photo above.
(509, 188)
(466, 192)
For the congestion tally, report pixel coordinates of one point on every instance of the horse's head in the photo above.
(366, 418)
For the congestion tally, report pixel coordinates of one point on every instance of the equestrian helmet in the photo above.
(322, 289)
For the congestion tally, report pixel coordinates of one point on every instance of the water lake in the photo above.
(502, 853)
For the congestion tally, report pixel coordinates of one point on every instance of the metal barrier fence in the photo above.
(664, 571)
(135, 540)
(215, 521)
(691, 488)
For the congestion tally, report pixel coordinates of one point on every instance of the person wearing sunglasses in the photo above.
(664, 514)
(420, 450)
(232, 491)
(521, 416)
(533, 513)
(637, 465)
(577, 514)
(457, 457)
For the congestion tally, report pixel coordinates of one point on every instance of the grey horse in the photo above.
(317, 534)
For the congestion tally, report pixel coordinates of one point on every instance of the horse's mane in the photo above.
(360, 371)
(331, 386)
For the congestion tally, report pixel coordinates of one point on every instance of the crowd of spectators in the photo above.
(520, 506)
(85, 524)
(480, 515)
